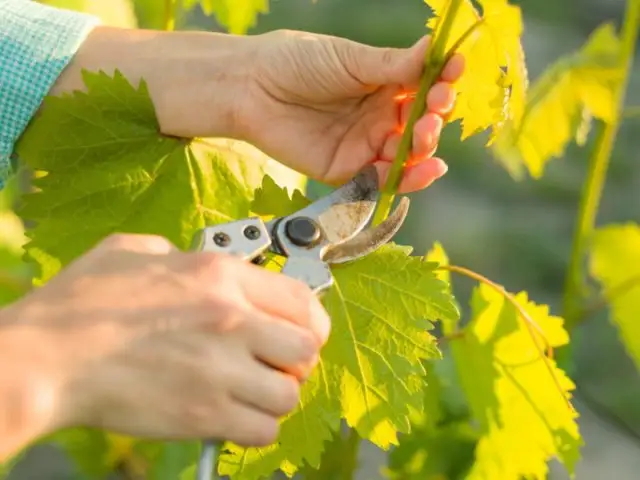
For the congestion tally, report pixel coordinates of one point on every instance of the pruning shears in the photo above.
(331, 230)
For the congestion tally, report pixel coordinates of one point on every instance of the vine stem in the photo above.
(435, 60)
(529, 322)
(597, 173)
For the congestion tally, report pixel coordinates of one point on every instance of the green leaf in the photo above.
(523, 418)
(442, 442)
(615, 263)
(168, 460)
(371, 373)
(560, 104)
(238, 16)
(494, 84)
(15, 275)
(434, 453)
(273, 200)
(89, 450)
(439, 256)
(110, 170)
(116, 13)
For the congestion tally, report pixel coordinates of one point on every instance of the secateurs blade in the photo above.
(331, 230)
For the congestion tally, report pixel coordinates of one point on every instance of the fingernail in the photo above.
(321, 322)
(441, 168)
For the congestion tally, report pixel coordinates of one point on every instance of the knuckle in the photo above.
(388, 56)
(306, 346)
(117, 241)
(137, 242)
(266, 432)
(301, 293)
(212, 266)
(287, 394)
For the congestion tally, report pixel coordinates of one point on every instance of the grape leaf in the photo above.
(434, 453)
(272, 200)
(116, 13)
(560, 104)
(494, 84)
(109, 170)
(15, 275)
(238, 16)
(442, 442)
(371, 373)
(615, 264)
(438, 255)
(523, 418)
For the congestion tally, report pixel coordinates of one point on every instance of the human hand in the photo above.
(323, 105)
(326, 106)
(149, 341)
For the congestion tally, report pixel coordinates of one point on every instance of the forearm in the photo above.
(182, 70)
(27, 393)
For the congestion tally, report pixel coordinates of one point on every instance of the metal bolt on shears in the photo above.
(331, 230)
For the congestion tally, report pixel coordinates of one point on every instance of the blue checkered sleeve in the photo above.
(36, 43)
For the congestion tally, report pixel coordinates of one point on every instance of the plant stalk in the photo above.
(435, 60)
(597, 174)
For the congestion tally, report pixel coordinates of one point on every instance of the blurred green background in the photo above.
(516, 233)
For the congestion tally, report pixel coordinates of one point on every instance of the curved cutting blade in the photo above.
(369, 240)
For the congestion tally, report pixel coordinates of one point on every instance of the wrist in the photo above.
(28, 390)
(196, 80)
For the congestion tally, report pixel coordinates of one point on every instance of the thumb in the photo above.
(377, 66)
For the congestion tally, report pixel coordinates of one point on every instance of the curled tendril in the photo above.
(531, 325)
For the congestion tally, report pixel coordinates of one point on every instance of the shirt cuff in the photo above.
(37, 42)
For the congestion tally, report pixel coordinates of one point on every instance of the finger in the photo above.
(441, 98)
(284, 346)
(270, 391)
(405, 110)
(426, 134)
(410, 70)
(284, 298)
(248, 426)
(417, 176)
(454, 69)
(390, 147)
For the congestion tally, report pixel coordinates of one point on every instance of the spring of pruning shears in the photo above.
(331, 230)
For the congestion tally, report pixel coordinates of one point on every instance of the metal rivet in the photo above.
(221, 239)
(252, 232)
(303, 231)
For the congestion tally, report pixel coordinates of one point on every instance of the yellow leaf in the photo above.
(615, 263)
(560, 103)
(439, 256)
(115, 13)
(523, 419)
(238, 16)
(121, 448)
(493, 87)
